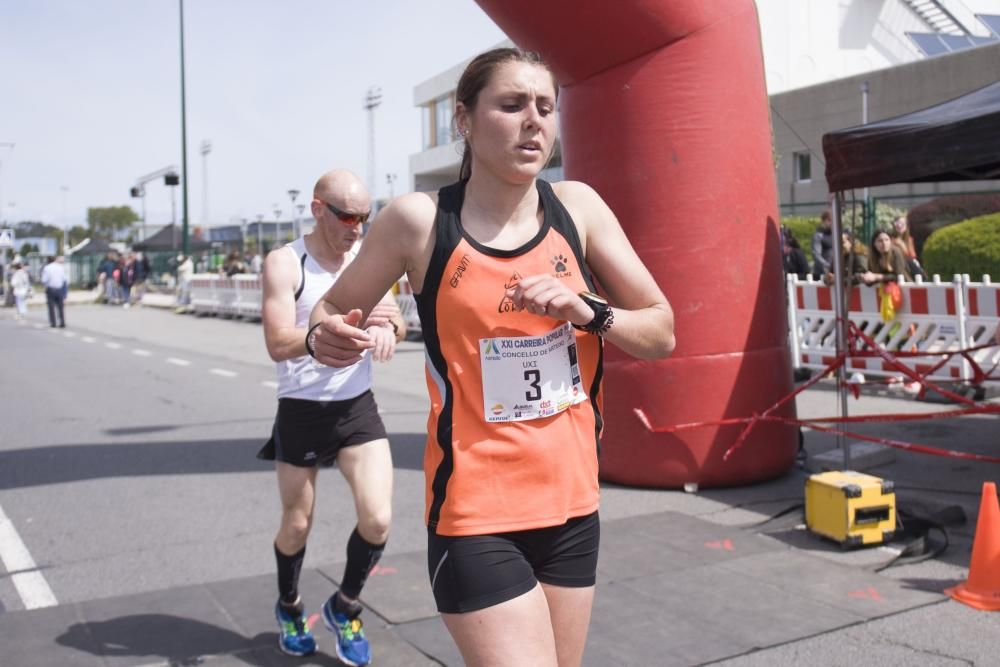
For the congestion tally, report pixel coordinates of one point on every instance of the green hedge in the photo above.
(971, 247)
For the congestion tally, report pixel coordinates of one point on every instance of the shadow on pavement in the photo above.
(21, 468)
(179, 641)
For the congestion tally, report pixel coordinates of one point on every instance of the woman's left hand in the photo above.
(547, 296)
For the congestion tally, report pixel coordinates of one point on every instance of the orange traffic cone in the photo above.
(982, 589)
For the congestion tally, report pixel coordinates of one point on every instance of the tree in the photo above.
(77, 234)
(105, 222)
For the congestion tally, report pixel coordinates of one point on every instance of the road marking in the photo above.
(142, 353)
(224, 373)
(89, 339)
(38, 326)
(29, 582)
(113, 346)
(270, 384)
(69, 334)
(178, 362)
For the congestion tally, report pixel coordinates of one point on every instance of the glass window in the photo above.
(426, 113)
(802, 163)
(443, 112)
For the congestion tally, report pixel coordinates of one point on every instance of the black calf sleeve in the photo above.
(288, 574)
(361, 558)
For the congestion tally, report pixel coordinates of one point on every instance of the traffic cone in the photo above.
(982, 589)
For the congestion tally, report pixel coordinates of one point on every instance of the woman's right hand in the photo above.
(338, 342)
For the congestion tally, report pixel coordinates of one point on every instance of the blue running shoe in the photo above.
(295, 637)
(352, 645)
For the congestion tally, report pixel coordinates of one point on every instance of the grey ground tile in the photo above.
(44, 637)
(174, 625)
(733, 605)
(854, 590)
(431, 637)
(249, 603)
(628, 630)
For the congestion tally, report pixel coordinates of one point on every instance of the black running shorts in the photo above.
(478, 571)
(311, 433)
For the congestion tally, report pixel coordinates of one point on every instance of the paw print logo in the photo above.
(559, 262)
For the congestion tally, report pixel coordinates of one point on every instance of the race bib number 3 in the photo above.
(530, 377)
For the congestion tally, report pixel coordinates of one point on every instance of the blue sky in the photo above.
(90, 95)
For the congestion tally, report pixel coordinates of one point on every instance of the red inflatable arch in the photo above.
(663, 110)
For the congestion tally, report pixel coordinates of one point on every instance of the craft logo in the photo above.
(491, 352)
(559, 264)
(460, 270)
(506, 304)
(497, 408)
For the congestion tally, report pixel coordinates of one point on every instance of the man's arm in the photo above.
(283, 339)
(386, 313)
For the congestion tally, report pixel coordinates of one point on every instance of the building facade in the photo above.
(818, 55)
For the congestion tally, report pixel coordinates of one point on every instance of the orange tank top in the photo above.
(505, 453)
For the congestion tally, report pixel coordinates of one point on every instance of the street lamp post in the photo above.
(206, 148)
(373, 98)
(9, 145)
(292, 194)
(277, 225)
(390, 179)
(260, 235)
(184, 159)
(63, 189)
(298, 220)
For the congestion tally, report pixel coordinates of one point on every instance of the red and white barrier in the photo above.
(241, 296)
(934, 317)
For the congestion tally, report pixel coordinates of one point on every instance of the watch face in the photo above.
(590, 296)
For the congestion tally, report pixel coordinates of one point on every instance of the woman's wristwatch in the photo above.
(604, 316)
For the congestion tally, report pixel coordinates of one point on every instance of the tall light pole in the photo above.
(277, 225)
(9, 145)
(206, 148)
(373, 98)
(184, 153)
(298, 228)
(292, 194)
(63, 189)
(390, 179)
(260, 235)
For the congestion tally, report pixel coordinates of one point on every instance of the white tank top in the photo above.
(304, 377)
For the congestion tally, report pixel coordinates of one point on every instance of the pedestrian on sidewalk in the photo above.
(54, 280)
(326, 416)
(500, 263)
(20, 285)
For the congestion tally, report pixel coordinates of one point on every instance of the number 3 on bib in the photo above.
(530, 377)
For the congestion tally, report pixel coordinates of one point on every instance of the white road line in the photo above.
(69, 334)
(142, 353)
(113, 346)
(178, 362)
(270, 384)
(38, 326)
(89, 339)
(224, 373)
(29, 582)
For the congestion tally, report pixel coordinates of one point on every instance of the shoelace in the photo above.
(351, 627)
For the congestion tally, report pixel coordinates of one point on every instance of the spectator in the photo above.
(886, 262)
(822, 246)
(855, 260)
(20, 285)
(234, 265)
(794, 258)
(185, 271)
(901, 238)
(126, 279)
(105, 277)
(54, 280)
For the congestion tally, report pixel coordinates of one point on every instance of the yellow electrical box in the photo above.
(851, 508)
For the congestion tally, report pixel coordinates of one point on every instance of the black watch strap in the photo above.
(309, 340)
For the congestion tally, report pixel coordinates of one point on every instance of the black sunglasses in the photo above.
(345, 217)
